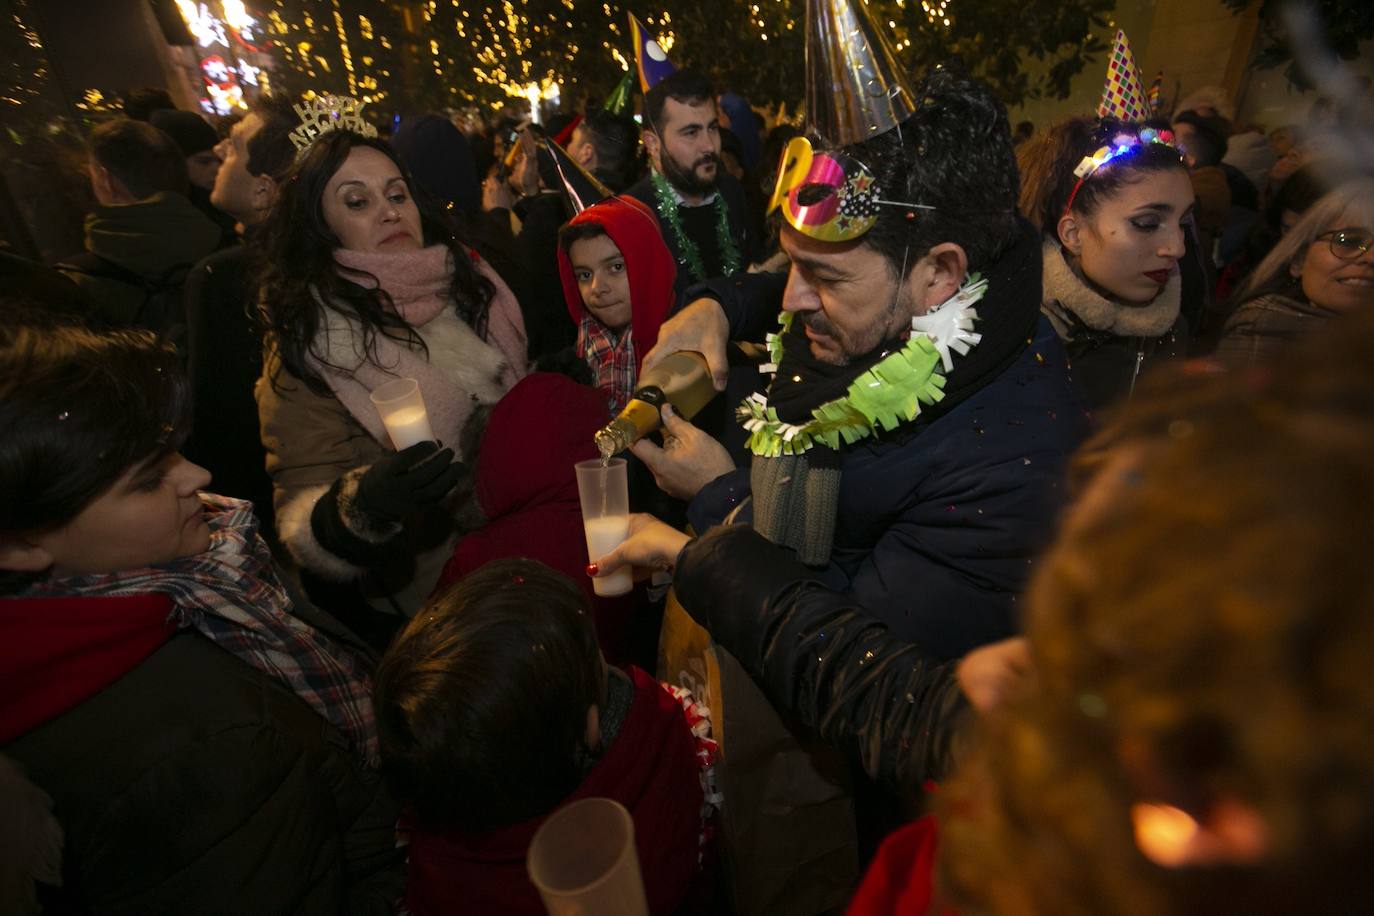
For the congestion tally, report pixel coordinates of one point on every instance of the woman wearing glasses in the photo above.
(1322, 267)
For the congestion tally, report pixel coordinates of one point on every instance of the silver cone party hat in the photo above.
(855, 89)
(580, 187)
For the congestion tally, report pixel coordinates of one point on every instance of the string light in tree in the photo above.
(25, 68)
(332, 46)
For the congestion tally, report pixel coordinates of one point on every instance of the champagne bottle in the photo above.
(681, 379)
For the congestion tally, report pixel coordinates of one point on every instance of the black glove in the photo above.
(360, 518)
(406, 482)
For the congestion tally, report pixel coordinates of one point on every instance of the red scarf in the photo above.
(650, 768)
(57, 652)
(231, 595)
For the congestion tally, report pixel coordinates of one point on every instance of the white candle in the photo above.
(604, 535)
(408, 426)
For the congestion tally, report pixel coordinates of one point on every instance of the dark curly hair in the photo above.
(1048, 159)
(297, 262)
(482, 699)
(955, 154)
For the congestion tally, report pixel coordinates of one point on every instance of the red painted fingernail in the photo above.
(592, 569)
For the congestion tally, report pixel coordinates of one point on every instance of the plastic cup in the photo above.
(605, 495)
(403, 412)
(582, 861)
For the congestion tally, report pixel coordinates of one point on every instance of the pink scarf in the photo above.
(461, 370)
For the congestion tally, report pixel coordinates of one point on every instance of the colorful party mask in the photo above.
(827, 195)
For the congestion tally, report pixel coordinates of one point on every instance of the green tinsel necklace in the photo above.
(667, 211)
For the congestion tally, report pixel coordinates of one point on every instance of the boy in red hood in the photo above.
(618, 277)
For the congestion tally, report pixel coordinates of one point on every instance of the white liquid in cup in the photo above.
(408, 426)
(604, 535)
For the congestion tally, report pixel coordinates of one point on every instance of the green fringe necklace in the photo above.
(667, 211)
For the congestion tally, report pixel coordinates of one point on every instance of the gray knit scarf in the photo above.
(796, 502)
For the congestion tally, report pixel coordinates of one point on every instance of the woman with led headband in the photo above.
(1113, 202)
(1322, 267)
(364, 285)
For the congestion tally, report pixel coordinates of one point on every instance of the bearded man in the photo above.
(700, 208)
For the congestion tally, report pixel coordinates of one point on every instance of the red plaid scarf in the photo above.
(231, 595)
(612, 361)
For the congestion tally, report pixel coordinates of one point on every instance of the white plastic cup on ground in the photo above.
(605, 495)
(582, 861)
(403, 412)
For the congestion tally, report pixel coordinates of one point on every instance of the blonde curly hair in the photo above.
(1202, 631)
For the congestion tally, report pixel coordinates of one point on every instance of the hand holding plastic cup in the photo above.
(403, 412)
(605, 495)
(582, 860)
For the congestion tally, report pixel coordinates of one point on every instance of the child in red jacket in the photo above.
(495, 708)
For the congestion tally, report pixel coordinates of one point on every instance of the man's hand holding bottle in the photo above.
(688, 460)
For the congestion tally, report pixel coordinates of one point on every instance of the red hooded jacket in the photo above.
(528, 491)
(634, 229)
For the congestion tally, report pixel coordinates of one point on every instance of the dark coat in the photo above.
(225, 362)
(1106, 368)
(1261, 329)
(829, 666)
(700, 225)
(196, 783)
(1111, 344)
(528, 263)
(136, 260)
(939, 521)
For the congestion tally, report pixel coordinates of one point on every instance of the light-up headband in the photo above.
(828, 196)
(1121, 145)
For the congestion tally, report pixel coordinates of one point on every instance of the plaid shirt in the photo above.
(231, 595)
(612, 361)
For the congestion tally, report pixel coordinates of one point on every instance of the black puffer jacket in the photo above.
(827, 666)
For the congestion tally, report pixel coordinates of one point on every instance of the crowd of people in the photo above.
(1040, 508)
